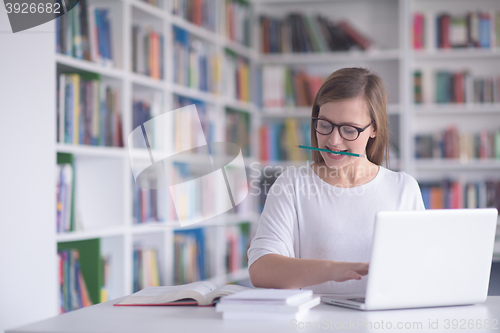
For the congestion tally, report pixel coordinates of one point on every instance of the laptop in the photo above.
(427, 258)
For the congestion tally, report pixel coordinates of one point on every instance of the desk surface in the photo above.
(123, 319)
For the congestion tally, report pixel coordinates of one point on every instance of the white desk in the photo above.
(107, 318)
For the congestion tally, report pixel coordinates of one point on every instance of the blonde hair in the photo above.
(349, 83)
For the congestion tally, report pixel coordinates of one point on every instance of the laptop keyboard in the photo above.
(360, 300)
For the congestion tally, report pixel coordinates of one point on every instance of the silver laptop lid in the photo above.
(431, 258)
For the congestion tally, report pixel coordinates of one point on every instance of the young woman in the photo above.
(316, 229)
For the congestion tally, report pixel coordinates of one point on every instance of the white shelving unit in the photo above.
(103, 174)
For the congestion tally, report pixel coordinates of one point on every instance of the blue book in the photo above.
(484, 30)
(69, 113)
(426, 196)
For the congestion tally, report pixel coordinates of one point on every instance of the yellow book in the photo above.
(291, 134)
(155, 278)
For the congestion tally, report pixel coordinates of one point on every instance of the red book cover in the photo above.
(445, 31)
(264, 154)
(362, 41)
(418, 31)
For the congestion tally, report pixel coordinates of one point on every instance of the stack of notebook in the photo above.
(267, 304)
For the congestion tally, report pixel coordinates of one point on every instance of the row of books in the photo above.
(73, 292)
(285, 86)
(461, 194)
(88, 111)
(146, 272)
(455, 87)
(458, 145)
(238, 20)
(278, 140)
(237, 244)
(237, 81)
(149, 204)
(147, 52)
(199, 12)
(303, 33)
(473, 30)
(196, 65)
(238, 129)
(190, 256)
(85, 33)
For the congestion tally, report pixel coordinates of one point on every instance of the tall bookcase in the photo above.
(103, 177)
(103, 174)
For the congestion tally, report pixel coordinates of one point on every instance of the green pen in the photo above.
(331, 151)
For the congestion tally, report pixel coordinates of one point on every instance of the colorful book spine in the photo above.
(278, 140)
(73, 289)
(149, 204)
(189, 256)
(455, 87)
(237, 244)
(88, 111)
(452, 144)
(238, 17)
(146, 268)
(474, 29)
(237, 83)
(147, 52)
(85, 33)
(195, 62)
(300, 33)
(238, 129)
(454, 194)
(199, 12)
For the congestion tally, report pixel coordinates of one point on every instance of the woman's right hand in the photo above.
(342, 271)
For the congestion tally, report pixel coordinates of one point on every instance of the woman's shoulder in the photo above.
(400, 178)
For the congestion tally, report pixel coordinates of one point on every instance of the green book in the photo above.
(90, 264)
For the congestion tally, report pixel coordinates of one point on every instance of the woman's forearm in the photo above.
(277, 271)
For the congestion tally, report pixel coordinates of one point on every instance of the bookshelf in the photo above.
(148, 84)
(236, 60)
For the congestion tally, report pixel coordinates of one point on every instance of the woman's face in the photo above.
(345, 112)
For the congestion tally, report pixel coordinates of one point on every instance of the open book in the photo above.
(202, 293)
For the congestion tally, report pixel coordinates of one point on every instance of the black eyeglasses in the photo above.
(347, 132)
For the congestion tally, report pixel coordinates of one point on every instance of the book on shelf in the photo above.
(147, 51)
(201, 293)
(237, 80)
(443, 86)
(80, 272)
(65, 193)
(73, 293)
(88, 111)
(285, 86)
(85, 33)
(278, 140)
(199, 12)
(237, 244)
(189, 256)
(474, 29)
(238, 18)
(146, 272)
(298, 33)
(454, 194)
(195, 62)
(106, 278)
(149, 204)
(453, 144)
(238, 129)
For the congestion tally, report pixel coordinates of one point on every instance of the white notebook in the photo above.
(291, 308)
(268, 296)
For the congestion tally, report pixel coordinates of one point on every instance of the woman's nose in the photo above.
(335, 137)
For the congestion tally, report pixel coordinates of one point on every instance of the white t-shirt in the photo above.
(335, 223)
